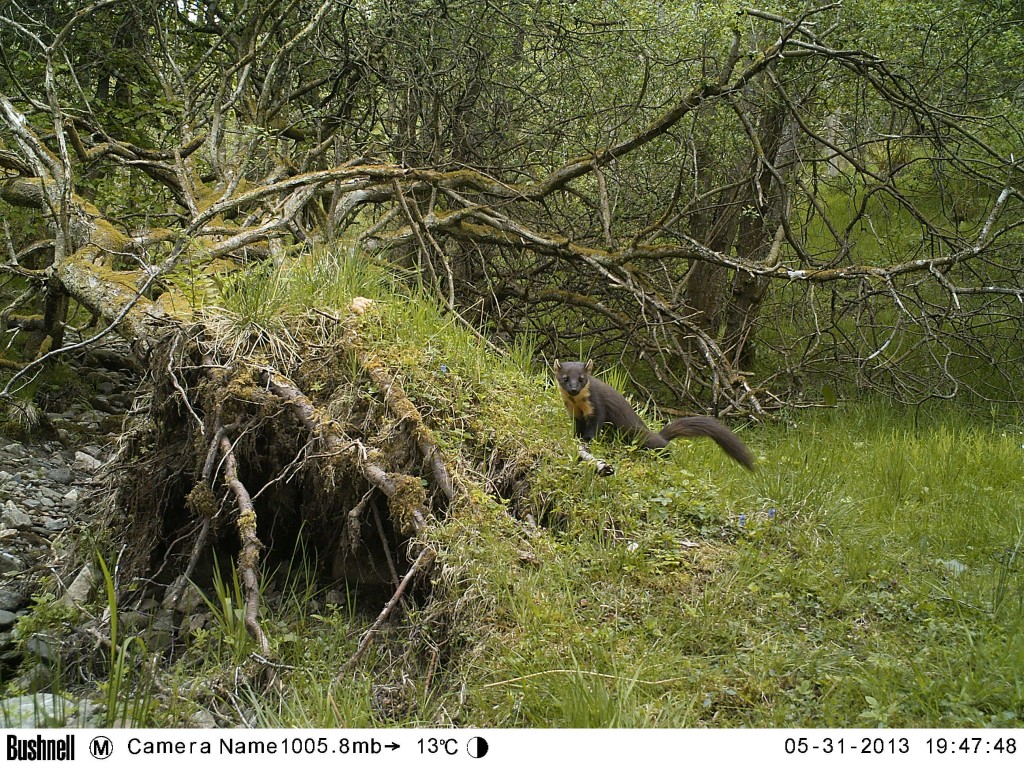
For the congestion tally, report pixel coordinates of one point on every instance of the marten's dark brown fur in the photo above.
(592, 403)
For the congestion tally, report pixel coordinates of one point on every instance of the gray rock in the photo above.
(42, 647)
(9, 563)
(202, 719)
(60, 475)
(7, 619)
(156, 632)
(81, 587)
(35, 711)
(14, 517)
(89, 715)
(37, 677)
(191, 600)
(84, 462)
(11, 600)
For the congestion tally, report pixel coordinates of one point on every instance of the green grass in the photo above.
(874, 580)
(869, 573)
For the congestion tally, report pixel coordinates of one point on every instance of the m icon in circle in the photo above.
(101, 747)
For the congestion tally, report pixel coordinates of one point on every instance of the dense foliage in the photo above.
(752, 204)
(340, 235)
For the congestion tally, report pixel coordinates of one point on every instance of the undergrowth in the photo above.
(868, 574)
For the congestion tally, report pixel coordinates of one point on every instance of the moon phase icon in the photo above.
(477, 746)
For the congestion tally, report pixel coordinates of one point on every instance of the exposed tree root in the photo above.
(399, 404)
(244, 462)
(201, 501)
(249, 557)
(404, 492)
(422, 562)
(245, 443)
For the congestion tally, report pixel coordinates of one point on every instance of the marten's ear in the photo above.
(590, 367)
(556, 367)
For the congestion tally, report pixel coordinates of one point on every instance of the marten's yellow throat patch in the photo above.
(579, 407)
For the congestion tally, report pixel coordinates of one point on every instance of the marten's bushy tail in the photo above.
(705, 426)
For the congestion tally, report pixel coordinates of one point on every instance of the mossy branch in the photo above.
(249, 557)
(405, 494)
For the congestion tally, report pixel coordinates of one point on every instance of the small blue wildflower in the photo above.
(743, 520)
(444, 368)
(771, 513)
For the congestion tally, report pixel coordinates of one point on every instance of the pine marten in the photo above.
(592, 403)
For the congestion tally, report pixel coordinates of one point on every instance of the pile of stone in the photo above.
(44, 479)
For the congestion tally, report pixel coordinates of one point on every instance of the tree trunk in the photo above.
(754, 240)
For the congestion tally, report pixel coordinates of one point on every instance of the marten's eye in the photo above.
(565, 379)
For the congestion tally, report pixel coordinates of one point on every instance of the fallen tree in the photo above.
(242, 139)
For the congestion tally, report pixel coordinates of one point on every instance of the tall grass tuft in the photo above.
(129, 691)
